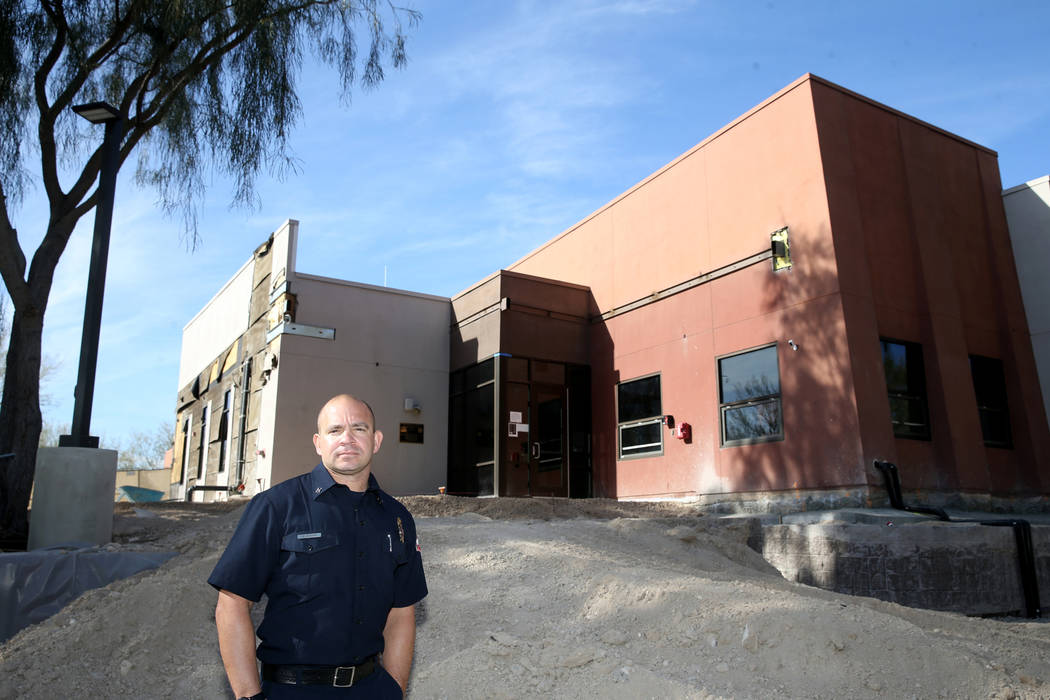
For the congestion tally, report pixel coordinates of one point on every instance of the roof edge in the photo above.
(793, 85)
(1030, 184)
(896, 112)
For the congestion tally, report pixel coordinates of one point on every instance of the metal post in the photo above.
(81, 428)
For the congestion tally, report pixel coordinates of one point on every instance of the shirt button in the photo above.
(360, 555)
(360, 588)
(361, 523)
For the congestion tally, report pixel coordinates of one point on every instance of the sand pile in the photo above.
(558, 599)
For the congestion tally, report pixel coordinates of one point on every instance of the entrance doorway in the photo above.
(520, 427)
(545, 429)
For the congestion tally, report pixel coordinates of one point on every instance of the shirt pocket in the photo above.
(391, 553)
(304, 558)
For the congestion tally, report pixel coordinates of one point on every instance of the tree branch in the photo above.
(12, 259)
(46, 125)
(113, 42)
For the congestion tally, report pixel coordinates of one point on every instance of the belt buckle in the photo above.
(335, 677)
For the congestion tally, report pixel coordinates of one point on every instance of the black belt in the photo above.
(338, 676)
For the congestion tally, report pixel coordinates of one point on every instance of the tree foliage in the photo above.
(144, 449)
(203, 87)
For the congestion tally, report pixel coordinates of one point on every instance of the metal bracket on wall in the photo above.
(301, 329)
(683, 286)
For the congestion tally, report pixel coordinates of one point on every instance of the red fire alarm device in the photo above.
(683, 431)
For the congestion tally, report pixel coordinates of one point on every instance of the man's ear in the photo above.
(317, 445)
(377, 438)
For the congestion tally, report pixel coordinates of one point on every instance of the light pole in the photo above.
(96, 113)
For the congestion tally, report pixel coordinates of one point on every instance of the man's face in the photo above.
(346, 438)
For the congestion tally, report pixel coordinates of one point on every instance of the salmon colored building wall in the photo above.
(924, 255)
(896, 230)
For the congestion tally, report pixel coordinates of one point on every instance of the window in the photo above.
(224, 429)
(548, 426)
(749, 397)
(640, 417)
(202, 453)
(906, 386)
(185, 449)
(471, 433)
(989, 386)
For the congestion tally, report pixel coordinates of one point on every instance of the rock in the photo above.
(614, 637)
(578, 659)
(503, 638)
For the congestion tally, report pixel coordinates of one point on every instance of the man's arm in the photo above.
(399, 636)
(237, 643)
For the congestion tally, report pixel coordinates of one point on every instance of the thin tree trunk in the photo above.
(20, 422)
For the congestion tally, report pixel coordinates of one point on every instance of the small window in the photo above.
(989, 386)
(906, 386)
(640, 417)
(749, 397)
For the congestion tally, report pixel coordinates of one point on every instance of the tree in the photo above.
(203, 86)
(145, 449)
(3, 340)
(50, 432)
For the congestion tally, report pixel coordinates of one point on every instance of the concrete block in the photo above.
(962, 567)
(72, 496)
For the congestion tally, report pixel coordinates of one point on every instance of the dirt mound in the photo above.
(547, 599)
(544, 508)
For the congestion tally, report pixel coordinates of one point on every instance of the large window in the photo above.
(906, 386)
(224, 429)
(749, 397)
(471, 421)
(202, 453)
(989, 386)
(186, 424)
(640, 417)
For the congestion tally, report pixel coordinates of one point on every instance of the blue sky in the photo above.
(512, 121)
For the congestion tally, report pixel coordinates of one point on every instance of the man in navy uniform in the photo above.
(339, 562)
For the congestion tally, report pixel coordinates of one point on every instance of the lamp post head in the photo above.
(97, 112)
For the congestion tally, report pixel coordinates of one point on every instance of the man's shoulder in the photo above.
(281, 492)
(393, 505)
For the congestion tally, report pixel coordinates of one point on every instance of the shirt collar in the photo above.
(321, 480)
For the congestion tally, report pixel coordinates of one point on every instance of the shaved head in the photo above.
(339, 399)
(346, 440)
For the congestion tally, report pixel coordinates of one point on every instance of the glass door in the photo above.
(547, 464)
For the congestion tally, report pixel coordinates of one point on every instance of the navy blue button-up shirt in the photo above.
(331, 561)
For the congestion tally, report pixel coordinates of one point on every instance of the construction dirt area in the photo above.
(546, 599)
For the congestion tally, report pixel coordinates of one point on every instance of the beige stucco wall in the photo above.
(1028, 215)
(389, 345)
(222, 320)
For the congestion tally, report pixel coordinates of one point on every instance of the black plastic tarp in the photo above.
(35, 585)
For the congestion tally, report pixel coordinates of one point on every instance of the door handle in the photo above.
(535, 450)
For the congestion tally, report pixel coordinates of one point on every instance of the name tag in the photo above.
(308, 536)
